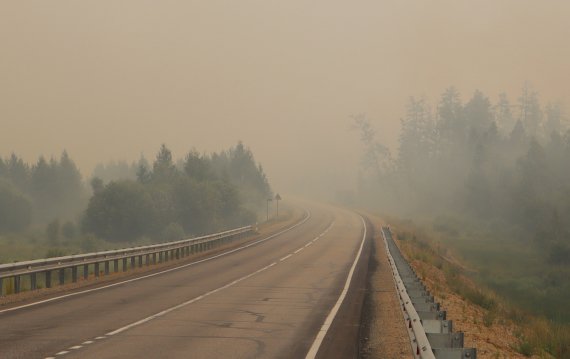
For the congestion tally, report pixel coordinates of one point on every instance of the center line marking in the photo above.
(307, 217)
(193, 300)
(284, 258)
(298, 250)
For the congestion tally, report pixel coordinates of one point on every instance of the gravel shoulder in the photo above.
(383, 331)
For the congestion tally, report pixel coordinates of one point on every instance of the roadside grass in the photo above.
(504, 277)
(33, 244)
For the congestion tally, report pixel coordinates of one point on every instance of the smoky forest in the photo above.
(48, 208)
(490, 179)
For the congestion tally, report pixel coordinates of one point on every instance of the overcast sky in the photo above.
(114, 79)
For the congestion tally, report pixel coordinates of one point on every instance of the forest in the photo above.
(493, 179)
(49, 203)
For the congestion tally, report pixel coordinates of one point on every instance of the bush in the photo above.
(69, 230)
(88, 243)
(52, 231)
(172, 232)
(122, 211)
(55, 252)
(525, 348)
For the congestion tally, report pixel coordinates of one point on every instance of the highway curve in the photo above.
(269, 300)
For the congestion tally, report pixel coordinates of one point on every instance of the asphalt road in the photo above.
(266, 301)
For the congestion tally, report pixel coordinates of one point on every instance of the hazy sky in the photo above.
(111, 79)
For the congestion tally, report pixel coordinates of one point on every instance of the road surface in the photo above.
(268, 300)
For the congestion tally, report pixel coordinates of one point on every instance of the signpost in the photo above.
(268, 200)
(277, 199)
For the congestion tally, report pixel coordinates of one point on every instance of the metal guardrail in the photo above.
(124, 259)
(431, 334)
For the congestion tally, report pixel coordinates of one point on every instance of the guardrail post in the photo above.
(48, 279)
(17, 284)
(33, 283)
(167, 251)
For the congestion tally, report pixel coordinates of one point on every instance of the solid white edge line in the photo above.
(308, 215)
(330, 318)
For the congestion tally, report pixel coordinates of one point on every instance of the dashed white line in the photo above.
(308, 215)
(193, 300)
(166, 311)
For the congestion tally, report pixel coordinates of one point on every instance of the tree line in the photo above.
(503, 163)
(477, 170)
(161, 200)
(200, 194)
(45, 190)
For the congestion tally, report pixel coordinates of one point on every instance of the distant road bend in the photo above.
(294, 295)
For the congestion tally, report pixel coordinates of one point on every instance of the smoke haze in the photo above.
(114, 79)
